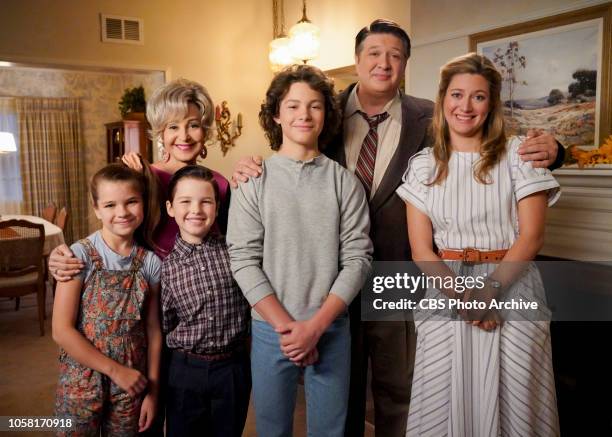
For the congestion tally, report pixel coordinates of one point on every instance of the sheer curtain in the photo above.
(11, 195)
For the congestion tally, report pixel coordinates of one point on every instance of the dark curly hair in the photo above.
(318, 81)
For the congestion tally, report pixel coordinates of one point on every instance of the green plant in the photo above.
(133, 100)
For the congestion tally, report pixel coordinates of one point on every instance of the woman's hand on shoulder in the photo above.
(63, 265)
(247, 167)
(133, 160)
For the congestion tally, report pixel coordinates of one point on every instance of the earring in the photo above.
(163, 154)
(203, 152)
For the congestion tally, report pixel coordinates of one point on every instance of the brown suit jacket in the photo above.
(388, 230)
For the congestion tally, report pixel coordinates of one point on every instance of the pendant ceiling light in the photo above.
(305, 39)
(279, 53)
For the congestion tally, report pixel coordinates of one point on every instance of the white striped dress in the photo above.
(468, 382)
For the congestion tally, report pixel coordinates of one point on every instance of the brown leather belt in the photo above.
(209, 357)
(471, 255)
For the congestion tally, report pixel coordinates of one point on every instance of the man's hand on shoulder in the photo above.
(540, 148)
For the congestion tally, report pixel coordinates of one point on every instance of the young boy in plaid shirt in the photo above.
(205, 317)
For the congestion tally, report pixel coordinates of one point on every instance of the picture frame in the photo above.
(557, 74)
(343, 77)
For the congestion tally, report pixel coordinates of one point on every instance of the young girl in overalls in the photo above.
(181, 114)
(106, 320)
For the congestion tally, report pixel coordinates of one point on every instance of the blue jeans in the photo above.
(326, 383)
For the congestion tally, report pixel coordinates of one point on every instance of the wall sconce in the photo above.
(223, 122)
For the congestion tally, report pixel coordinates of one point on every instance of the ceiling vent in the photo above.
(126, 30)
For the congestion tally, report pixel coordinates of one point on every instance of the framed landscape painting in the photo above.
(556, 75)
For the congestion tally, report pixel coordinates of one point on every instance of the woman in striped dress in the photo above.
(489, 372)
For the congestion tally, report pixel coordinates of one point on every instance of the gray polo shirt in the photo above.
(300, 231)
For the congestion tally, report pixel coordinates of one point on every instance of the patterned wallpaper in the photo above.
(99, 92)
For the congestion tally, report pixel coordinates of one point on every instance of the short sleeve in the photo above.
(152, 268)
(527, 180)
(80, 252)
(414, 188)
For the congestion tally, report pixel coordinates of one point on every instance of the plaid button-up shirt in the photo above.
(203, 308)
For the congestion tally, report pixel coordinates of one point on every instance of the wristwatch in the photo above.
(494, 284)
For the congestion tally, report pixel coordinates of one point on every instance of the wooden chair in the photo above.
(62, 218)
(49, 211)
(21, 262)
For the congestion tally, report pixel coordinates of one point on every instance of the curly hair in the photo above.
(318, 81)
(171, 101)
(493, 135)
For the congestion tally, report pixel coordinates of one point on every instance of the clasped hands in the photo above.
(298, 341)
(486, 319)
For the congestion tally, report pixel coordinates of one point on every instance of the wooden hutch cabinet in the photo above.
(127, 136)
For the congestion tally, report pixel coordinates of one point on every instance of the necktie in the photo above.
(367, 155)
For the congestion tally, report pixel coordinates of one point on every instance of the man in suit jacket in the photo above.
(381, 52)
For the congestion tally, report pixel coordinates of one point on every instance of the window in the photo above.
(11, 194)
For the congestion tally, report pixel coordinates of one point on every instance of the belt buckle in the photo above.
(200, 357)
(470, 255)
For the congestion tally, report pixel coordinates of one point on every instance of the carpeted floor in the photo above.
(28, 368)
(28, 372)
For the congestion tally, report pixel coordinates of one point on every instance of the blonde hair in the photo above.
(171, 101)
(493, 135)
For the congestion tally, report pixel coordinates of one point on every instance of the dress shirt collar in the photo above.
(393, 106)
(184, 249)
